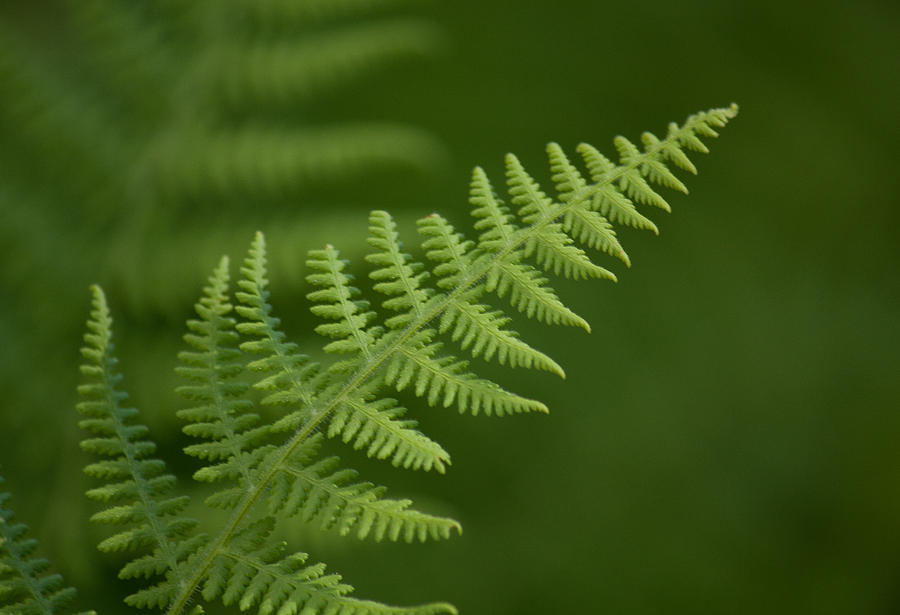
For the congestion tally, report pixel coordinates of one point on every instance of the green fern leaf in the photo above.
(25, 586)
(291, 71)
(429, 307)
(151, 515)
(269, 163)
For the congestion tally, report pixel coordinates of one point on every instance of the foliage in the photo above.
(25, 587)
(140, 119)
(241, 368)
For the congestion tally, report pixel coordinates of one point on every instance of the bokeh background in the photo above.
(726, 440)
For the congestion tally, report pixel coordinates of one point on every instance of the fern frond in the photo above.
(192, 165)
(350, 395)
(142, 490)
(25, 586)
(289, 71)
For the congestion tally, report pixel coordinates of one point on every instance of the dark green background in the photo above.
(727, 439)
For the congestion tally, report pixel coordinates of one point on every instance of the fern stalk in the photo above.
(628, 178)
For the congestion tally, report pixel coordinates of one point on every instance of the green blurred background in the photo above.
(726, 440)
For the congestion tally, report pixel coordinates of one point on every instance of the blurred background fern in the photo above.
(741, 455)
